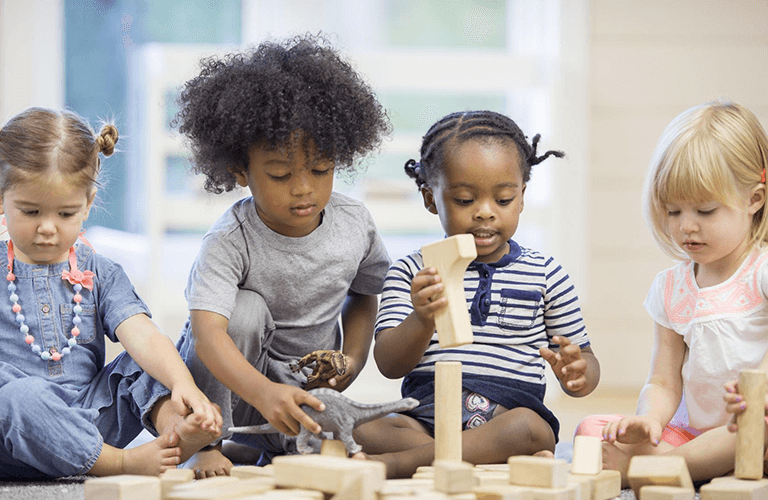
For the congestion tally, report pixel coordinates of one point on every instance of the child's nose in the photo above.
(302, 184)
(46, 226)
(484, 211)
(688, 224)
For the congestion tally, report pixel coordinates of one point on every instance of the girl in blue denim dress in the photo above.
(62, 411)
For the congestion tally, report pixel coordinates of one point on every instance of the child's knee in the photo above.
(593, 425)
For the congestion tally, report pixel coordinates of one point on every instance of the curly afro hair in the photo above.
(263, 96)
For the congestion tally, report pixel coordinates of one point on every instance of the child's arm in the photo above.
(399, 349)
(576, 368)
(357, 319)
(660, 396)
(156, 355)
(735, 403)
(278, 403)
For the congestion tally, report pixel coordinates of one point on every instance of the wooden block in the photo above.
(568, 493)
(451, 257)
(607, 485)
(123, 487)
(251, 472)
(751, 433)
(587, 455)
(732, 488)
(538, 471)
(406, 486)
(667, 470)
(174, 477)
(207, 483)
(333, 448)
(205, 490)
(448, 411)
(666, 493)
(493, 467)
(454, 477)
(584, 483)
(291, 494)
(507, 492)
(327, 474)
(426, 469)
(491, 478)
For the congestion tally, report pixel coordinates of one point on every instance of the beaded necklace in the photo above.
(78, 279)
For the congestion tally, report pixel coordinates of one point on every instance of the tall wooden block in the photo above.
(587, 455)
(124, 487)
(731, 488)
(538, 471)
(451, 257)
(333, 448)
(448, 411)
(668, 470)
(751, 433)
(666, 493)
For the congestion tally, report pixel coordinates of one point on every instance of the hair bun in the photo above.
(107, 139)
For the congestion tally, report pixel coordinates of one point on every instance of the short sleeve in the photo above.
(118, 299)
(654, 301)
(373, 268)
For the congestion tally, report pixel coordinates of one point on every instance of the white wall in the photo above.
(651, 60)
(31, 55)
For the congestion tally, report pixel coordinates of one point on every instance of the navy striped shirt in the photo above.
(516, 306)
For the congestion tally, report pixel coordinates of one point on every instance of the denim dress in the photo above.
(55, 416)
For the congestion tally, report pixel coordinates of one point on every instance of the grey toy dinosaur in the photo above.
(340, 417)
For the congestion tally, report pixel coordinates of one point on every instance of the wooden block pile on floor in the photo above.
(327, 477)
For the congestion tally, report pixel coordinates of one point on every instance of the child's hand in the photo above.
(186, 397)
(424, 287)
(341, 382)
(734, 403)
(633, 430)
(281, 406)
(567, 363)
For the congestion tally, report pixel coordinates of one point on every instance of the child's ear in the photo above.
(757, 200)
(240, 176)
(91, 197)
(429, 199)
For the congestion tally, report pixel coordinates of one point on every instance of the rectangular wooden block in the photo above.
(568, 493)
(666, 493)
(507, 492)
(751, 433)
(454, 477)
(607, 485)
(174, 477)
(251, 472)
(448, 410)
(731, 488)
(327, 474)
(538, 471)
(587, 455)
(123, 487)
(585, 484)
(205, 490)
(406, 486)
(668, 470)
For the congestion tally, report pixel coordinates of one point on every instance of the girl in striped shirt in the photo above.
(524, 311)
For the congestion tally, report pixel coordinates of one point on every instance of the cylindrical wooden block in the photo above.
(448, 410)
(751, 433)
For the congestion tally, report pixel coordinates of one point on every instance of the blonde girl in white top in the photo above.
(704, 202)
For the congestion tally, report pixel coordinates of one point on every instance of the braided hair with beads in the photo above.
(457, 128)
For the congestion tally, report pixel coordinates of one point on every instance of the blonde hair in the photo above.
(713, 151)
(40, 141)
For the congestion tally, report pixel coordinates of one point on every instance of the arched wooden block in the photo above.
(451, 257)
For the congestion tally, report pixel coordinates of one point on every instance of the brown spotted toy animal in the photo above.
(328, 364)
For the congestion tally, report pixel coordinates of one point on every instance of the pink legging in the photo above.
(674, 433)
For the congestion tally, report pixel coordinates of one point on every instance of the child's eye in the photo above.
(463, 201)
(280, 178)
(29, 212)
(321, 173)
(505, 201)
(67, 214)
(707, 212)
(673, 213)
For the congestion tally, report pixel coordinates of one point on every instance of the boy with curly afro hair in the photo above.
(279, 268)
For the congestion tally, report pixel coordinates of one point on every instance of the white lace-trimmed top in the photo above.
(724, 326)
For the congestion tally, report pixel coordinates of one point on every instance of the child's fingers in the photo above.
(548, 355)
(304, 419)
(576, 384)
(731, 386)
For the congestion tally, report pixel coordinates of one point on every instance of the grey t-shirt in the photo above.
(304, 280)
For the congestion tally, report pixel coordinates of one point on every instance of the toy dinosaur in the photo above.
(328, 364)
(340, 417)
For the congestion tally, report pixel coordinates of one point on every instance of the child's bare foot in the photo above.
(616, 459)
(209, 462)
(149, 459)
(544, 453)
(192, 437)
